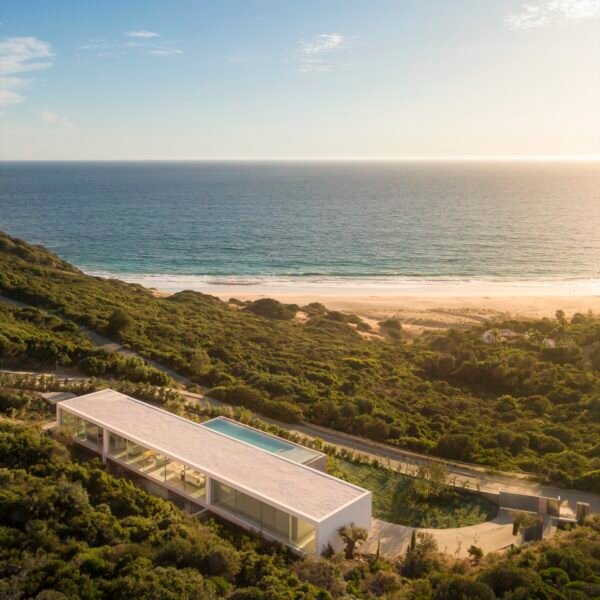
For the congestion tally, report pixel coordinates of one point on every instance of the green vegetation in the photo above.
(31, 338)
(421, 501)
(417, 502)
(267, 307)
(519, 404)
(68, 529)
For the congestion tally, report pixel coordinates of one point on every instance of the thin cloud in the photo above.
(20, 55)
(51, 118)
(136, 43)
(324, 53)
(142, 34)
(326, 42)
(549, 12)
(164, 51)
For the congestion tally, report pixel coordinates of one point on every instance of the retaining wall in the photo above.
(541, 505)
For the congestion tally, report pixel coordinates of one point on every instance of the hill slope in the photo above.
(511, 405)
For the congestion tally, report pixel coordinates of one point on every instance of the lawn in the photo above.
(397, 499)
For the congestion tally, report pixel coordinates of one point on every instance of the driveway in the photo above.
(490, 536)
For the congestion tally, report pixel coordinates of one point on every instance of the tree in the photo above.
(323, 573)
(421, 556)
(457, 446)
(118, 322)
(199, 362)
(352, 536)
(504, 578)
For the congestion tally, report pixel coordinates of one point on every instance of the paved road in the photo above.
(460, 474)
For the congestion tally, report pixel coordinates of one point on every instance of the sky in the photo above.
(298, 79)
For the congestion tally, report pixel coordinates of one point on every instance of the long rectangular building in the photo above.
(255, 480)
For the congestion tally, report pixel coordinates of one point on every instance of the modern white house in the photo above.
(255, 480)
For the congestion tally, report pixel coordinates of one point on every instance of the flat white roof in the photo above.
(275, 479)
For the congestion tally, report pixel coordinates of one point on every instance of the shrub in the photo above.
(589, 481)
(272, 309)
(118, 322)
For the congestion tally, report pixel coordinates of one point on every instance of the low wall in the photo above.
(541, 505)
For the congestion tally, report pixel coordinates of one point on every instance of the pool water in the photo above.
(260, 440)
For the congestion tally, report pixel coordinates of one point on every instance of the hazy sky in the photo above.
(193, 79)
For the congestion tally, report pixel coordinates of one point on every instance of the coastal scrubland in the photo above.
(523, 403)
(68, 529)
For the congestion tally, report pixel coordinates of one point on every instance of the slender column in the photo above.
(208, 491)
(105, 446)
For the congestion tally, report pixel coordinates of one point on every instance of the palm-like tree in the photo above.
(352, 536)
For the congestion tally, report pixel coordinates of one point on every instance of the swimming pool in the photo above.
(261, 440)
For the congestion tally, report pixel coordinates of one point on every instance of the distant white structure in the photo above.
(548, 343)
(488, 337)
(242, 475)
(491, 337)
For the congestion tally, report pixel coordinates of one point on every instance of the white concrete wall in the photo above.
(319, 463)
(357, 513)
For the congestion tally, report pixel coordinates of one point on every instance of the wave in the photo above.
(363, 284)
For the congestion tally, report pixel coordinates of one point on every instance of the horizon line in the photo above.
(442, 158)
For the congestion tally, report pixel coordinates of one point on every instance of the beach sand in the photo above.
(419, 313)
(428, 309)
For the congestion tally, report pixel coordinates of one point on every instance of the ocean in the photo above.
(384, 225)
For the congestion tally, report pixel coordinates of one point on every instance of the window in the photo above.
(286, 527)
(73, 424)
(223, 495)
(82, 430)
(117, 445)
(248, 507)
(276, 521)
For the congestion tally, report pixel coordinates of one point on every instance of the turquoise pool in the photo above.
(260, 440)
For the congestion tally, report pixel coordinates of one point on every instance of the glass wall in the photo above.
(73, 424)
(82, 430)
(288, 528)
(157, 466)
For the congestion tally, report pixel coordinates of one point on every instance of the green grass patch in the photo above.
(397, 499)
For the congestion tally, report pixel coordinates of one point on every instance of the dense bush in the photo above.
(448, 393)
(31, 338)
(71, 530)
(272, 309)
(68, 530)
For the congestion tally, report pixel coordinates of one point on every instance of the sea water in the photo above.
(193, 224)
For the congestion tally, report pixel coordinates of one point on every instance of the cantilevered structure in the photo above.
(210, 466)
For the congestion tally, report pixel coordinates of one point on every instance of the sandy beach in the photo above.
(427, 307)
(419, 313)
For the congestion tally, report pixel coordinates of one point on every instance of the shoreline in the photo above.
(419, 305)
(376, 287)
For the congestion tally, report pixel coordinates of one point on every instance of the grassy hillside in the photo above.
(515, 405)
